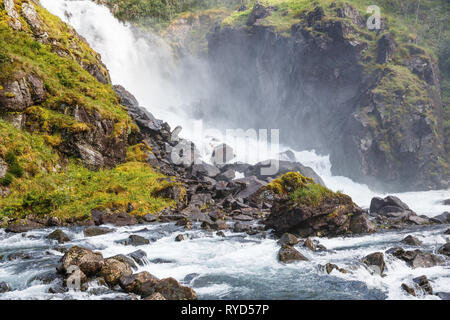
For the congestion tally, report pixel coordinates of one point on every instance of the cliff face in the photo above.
(329, 84)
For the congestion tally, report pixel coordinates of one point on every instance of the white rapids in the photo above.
(237, 266)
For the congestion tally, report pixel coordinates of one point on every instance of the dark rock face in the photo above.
(332, 217)
(288, 254)
(19, 94)
(321, 98)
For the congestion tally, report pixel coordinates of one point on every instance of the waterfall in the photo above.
(145, 65)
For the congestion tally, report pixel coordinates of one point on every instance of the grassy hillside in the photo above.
(41, 180)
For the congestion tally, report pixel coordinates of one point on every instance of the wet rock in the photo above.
(113, 270)
(96, 231)
(179, 238)
(416, 258)
(75, 279)
(156, 296)
(23, 225)
(389, 206)
(133, 283)
(125, 259)
(243, 217)
(412, 241)
(117, 219)
(241, 227)
(443, 217)
(443, 295)
(309, 244)
(447, 232)
(375, 262)
(289, 239)
(169, 288)
(329, 267)
(4, 287)
(135, 240)
(138, 256)
(149, 218)
(59, 236)
(45, 277)
(408, 289)
(196, 215)
(424, 284)
(88, 261)
(445, 249)
(288, 254)
(360, 223)
(219, 225)
(220, 234)
(57, 289)
(19, 255)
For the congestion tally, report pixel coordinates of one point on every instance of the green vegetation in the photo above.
(300, 189)
(77, 191)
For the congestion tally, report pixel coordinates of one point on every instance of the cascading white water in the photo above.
(145, 66)
(237, 266)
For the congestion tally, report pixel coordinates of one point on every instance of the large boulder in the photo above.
(23, 225)
(115, 218)
(89, 262)
(288, 254)
(59, 236)
(389, 206)
(375, 262)
(411, 241)
(424, 284)
(133, 283)
(96, 231)
(305, 208)
(169, 288)
(417, 258)
(114, 269)
(445, 249)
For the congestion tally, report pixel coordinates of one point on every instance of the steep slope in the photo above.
(60, 117)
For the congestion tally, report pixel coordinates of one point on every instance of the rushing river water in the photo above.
(237, 266)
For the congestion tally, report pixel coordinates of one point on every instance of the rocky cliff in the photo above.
(370, 99)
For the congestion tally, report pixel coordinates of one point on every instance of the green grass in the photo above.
(300, 189)
(77, 191)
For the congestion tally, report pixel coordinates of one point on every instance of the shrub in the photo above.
(6, 180)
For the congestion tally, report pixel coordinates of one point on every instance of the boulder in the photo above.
(114, 218)
(113, 270)
(75, 279)
(412, 241)
(360, 223)
(133, 283)
(135, 240)
(45, 277)
(447, 232)
(59, 236)
(329, 267)
(96, 231)
(23, 225)
(283, 167)
(443, 295)
(139, 256)
(241, 227)
(375, 262)
(219, 225)
(416, 258)
(424, 284)
(88, 261)
(169, 288)
(248, 186)
(204, 169)
(443, 217)
(445, 249)
(289, 239)
(288, 254)
(125, 259)
(309, 244)
(389, 206)
(446, 202)
(226, 175)
(4, 287)
(179, 238)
